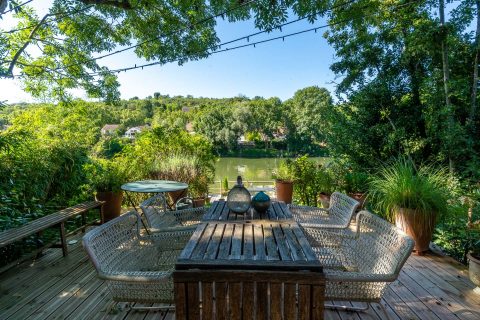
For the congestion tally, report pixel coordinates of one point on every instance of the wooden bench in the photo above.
(55, 219)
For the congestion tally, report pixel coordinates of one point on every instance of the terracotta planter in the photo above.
(284, 190)
(418, 225)
(324, 200)
(198, 202)
(474, 271)
(360, 197)
(113, 204)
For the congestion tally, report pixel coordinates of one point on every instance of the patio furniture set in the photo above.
(214, 264)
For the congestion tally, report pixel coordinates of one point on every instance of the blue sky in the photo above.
(277, 68)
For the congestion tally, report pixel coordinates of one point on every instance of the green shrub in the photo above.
(184, 168)
(225, 185)
(310, 179)
(105, 175)
(355, 182)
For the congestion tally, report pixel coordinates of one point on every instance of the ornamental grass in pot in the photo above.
(411, 197)
(185, 168)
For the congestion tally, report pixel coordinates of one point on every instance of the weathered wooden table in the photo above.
(258, 269)
(219, 211)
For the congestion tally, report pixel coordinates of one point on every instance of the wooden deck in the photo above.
(54, 287)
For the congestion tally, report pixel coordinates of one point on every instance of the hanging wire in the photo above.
(222, 50)
(238, 39)
(205, 20)
(160, 36)
(248, 44)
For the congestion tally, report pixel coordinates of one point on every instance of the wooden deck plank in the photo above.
(76, 300)
(51, 259)
(430, 287)
(65, 283)
(448, 281)
(428, 300)
(452, 303)
(16, 299)
(416, 305)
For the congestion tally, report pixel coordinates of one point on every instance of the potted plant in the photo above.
(326, 185)
(199, 190)
(356, 186)
(283, 181)
(474, 264)
(411, 197)
(106, 178)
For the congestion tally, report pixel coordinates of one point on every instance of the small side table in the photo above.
(151, 186)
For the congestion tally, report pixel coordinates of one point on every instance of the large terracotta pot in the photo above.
(474, 271)
(284, 190)
(112, 206)
(418, 225)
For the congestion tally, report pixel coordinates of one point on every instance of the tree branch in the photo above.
(123, 4)
(25, 45)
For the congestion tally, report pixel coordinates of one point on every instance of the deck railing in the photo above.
(217, 186)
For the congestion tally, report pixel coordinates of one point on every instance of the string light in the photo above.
(235, 40)
(160, 36)
(248, 44)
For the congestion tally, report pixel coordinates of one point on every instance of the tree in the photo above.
(402, 91)
(306, 130)
(74, 35)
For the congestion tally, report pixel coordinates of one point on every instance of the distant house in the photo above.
(280, 134)
(242, 142)
(109, 129)
(132, 132)
(185, 109)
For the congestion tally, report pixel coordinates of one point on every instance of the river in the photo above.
(255, 172)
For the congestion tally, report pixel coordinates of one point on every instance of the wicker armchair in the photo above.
(158, 219)
(360, 267)
(135, 268)
(337, 216)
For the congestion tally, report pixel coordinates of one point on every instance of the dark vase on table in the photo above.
(261, 202)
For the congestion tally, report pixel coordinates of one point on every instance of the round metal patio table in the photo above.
(152, 186)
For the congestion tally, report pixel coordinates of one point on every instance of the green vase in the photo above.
(261, 202)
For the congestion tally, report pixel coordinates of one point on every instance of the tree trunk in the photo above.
(473, 105)
(446, 79)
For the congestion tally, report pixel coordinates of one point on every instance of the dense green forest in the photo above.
(53, 155)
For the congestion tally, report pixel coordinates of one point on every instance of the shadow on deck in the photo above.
(53, 287)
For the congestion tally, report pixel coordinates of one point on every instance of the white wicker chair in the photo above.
(337, 216)
(157, 219)
(135, 268)
(360, 267)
